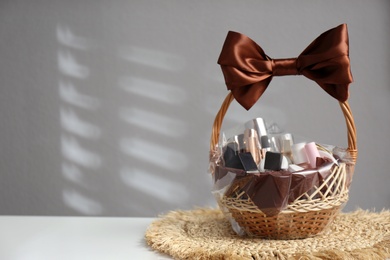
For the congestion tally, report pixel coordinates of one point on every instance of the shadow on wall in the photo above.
(149, 174)
(77, 159)
(154, 162)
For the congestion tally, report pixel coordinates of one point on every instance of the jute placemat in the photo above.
(206, 234)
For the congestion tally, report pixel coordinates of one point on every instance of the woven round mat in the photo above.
(206, 234)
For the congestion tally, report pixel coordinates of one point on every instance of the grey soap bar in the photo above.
(247, 161)
(273, 161)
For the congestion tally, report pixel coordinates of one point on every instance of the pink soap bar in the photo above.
(312, 153)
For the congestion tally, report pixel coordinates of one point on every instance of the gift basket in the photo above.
(267, 185)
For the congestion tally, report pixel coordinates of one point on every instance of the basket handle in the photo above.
(352, 148)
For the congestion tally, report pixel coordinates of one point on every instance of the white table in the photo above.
(71, 238)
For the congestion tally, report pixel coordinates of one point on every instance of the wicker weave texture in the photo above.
(306, 216)
(284, 225)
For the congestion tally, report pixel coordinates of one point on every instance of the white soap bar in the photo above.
(295, 168)
(285, 163)
(299, 153)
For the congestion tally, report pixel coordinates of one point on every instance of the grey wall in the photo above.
(106, 106)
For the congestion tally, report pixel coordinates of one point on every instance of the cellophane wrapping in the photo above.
(243, 169)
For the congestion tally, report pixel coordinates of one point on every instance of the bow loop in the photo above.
(248, 70)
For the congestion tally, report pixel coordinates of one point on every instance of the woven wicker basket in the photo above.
(307, 215)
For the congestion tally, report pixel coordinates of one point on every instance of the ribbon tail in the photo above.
(248, 95)
(337, 91)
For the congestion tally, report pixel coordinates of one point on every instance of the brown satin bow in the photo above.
(248, 70)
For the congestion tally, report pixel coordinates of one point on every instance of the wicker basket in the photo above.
(307, 215)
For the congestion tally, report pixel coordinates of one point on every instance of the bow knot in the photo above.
(284, 67)
(248, 70)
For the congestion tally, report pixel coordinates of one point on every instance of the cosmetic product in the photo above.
(234, 162)
(299, 154)
(286, 149)
(285, 163)
(273, 161)
(274, 143)
(230, 150)
(274, 135)
(286, 141)
(265, 145)
(258, 124)
(287, 136)
(261, 165)
(312, 154)
(247, 161)
(252, 145)
(239, 140)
